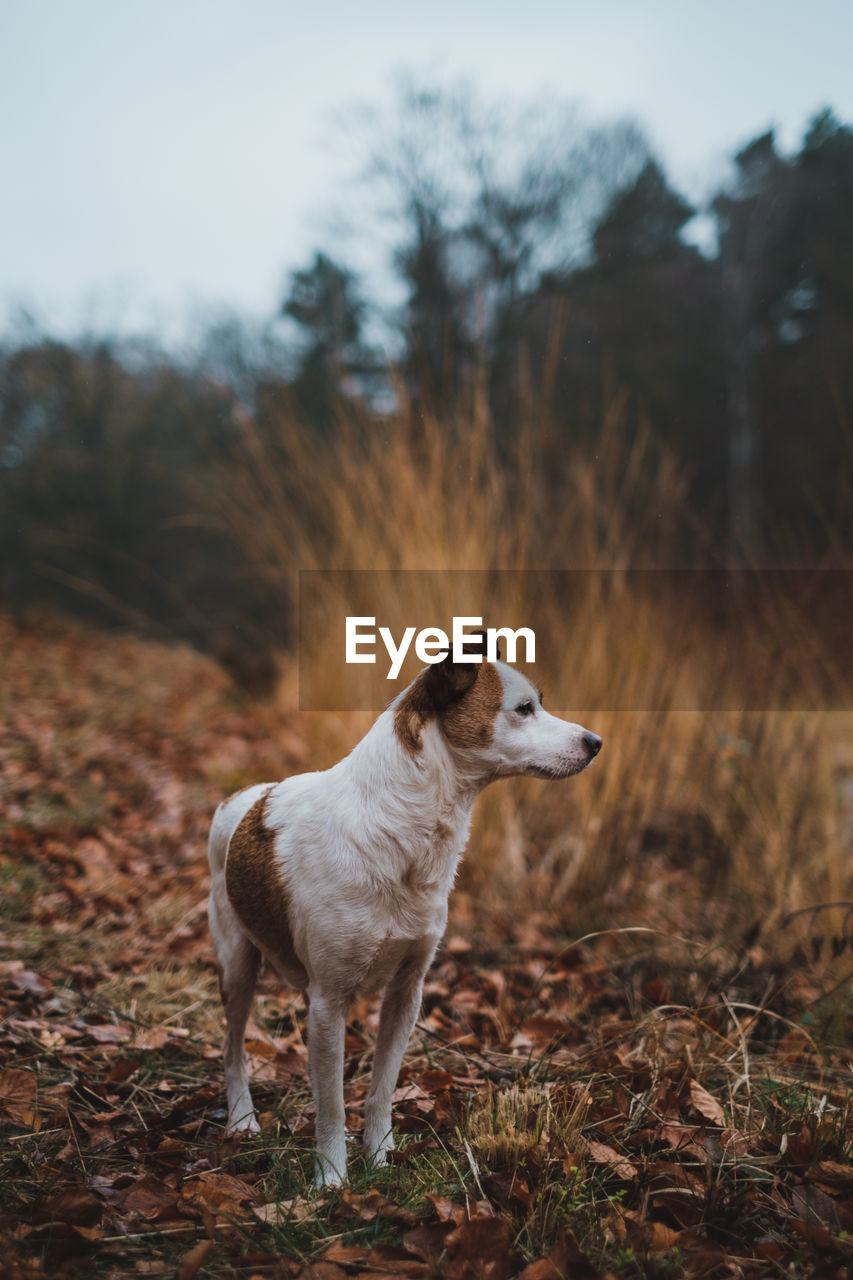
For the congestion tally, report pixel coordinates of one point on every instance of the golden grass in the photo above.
(742, 809)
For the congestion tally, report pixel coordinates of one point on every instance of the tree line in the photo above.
(550, 265)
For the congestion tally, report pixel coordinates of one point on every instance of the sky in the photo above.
(165, 160)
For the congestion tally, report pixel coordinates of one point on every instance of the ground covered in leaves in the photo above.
(629, 1104)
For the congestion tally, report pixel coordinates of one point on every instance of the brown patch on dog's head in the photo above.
(256, 888)
(470, 721)
(464, 697)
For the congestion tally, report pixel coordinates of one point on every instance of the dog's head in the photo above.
(493, 720)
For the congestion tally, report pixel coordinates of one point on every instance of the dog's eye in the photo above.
(525, 709)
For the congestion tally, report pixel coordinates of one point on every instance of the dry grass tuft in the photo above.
(509, 1125)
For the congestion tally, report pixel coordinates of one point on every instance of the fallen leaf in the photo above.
(481, 1246)
(428, 1240)
(106, 1033)
(218, 1192)
(88, 1233)
(735, 1143)
(816, 1208)
(661, 1237)
(299, 1209)
(121, 1071)
(685, 1139)
(706, 1104)
(434, 1081)
(602, 1154)
(260, 1049)
(150, 1197)
(837, 1175)
(774, 1248)
(388, 1260)
(541, 1269)
(192, 1261)
(77, 1206)
(31, 983)
(446, 1210)
(150, 1038)
(566, 1259)
(373, 1205)
(18, 1096)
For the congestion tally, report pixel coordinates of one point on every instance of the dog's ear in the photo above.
(448, 680)
(476, 642)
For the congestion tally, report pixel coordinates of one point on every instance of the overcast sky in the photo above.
(161, 157)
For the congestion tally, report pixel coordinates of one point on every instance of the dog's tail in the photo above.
(226, 820)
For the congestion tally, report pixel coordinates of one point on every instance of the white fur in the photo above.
(368, 851)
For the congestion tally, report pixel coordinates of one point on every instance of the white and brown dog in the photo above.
(340, 879)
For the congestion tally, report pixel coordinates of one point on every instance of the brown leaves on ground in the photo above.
(464, 1242)
(564, 1110)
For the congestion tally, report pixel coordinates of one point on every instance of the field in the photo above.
(640, 1072)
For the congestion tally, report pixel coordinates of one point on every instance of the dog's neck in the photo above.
(426, 798)
(434, 775)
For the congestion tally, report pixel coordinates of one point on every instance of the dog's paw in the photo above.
(327, 1176)
(376, 1148)
(243, 1124)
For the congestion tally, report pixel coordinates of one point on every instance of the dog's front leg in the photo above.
(400, 1006)
(326, 1027)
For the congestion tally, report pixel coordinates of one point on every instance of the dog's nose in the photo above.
(592, 742)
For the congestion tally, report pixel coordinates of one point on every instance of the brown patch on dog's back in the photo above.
(257, 891)
(467, 720)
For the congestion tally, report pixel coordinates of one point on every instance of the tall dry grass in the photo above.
(713, 820)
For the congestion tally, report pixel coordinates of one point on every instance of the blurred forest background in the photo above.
(547, 287)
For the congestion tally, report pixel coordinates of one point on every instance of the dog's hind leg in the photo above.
(238, 987)
(239, 962)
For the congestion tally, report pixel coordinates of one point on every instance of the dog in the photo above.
(340, 879)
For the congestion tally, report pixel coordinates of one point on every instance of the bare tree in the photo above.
(485, 197)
